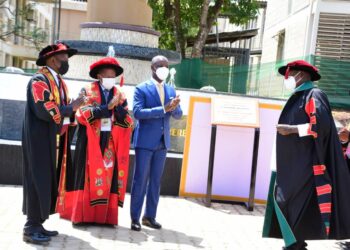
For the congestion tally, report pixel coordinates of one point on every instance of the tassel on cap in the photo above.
(121, 81)
(287, 73)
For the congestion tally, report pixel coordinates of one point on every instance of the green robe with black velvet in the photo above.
(309, 193)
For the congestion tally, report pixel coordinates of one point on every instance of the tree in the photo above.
(16, 24)
(180, 20)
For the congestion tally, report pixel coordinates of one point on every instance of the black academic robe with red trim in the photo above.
(312, 182)
(43, 121)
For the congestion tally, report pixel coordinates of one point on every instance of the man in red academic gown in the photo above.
(101, 160)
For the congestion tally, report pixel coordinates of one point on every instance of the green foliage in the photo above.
(163, 21)
(162, 25)
(238, 11)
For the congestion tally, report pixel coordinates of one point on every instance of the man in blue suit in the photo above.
(154, 104)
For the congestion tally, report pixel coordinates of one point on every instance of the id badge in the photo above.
(106, 124)
(66, 121)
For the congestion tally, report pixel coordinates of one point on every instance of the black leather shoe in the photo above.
(48, 233)
(149, 222)
(135, 226)
(36, 238)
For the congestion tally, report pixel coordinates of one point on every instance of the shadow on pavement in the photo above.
(230, 207)
(344, 245)
(120, 233)
(63, 241)
(172, 236)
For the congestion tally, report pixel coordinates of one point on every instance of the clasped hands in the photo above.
(115, 101)
(80, 101)
(172, 105)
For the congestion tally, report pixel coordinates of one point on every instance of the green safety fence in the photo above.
(260, 79)
(263, 79)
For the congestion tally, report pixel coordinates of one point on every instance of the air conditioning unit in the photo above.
(29, 13)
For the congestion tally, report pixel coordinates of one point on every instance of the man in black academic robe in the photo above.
(310, 198)
(46, 119)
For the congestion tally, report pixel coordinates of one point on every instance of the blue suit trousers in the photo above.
(148, 171)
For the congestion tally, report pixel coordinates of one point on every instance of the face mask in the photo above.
(162, 73)
(64, 67)
(108, 83)
(290, 83)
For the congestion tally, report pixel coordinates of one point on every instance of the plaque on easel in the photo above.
(233, 111)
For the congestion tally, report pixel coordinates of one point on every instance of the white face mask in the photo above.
(162, 73)
(290, 83)
(108, 83)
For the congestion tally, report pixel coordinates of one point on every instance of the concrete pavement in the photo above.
(187, 224)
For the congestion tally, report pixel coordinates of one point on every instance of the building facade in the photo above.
(313, 30)
(40, 22)
(23, 22)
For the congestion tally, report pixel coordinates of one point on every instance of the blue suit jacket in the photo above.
(152, 122)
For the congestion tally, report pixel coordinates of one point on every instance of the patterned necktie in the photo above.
(161, 92)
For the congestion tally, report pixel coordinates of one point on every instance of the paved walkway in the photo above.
(187, 224)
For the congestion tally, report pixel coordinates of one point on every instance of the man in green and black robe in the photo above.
(309, 197)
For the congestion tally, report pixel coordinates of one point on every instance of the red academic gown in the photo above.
(101, 163)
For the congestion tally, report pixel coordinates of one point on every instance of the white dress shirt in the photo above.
(54, 76)
(104, 92)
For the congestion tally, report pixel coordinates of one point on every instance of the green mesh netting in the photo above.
(260, 80)
(263, 80)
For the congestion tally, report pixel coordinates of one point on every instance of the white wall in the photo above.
(335, 6)
(324, 6)
(300, 25)
(293, 20)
